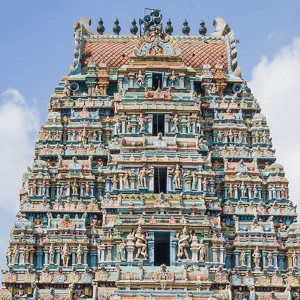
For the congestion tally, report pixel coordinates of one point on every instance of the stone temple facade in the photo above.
(154, 178)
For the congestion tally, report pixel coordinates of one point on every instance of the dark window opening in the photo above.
(112, 88)
(160, 180)
(156, 81)
(197, 88)
(161, 248)
(158, 124)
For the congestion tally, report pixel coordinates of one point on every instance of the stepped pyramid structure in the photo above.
(154, 178)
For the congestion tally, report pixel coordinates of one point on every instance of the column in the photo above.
(237, 257)
(214, 250)
(109, 249)
(167, 121)
(57, 250)
(264, 255)
(150, 244)
(173, 246)
(222, 254)
(93, 255)
(275, 259)
(150, 122)
(248, 255)
(39, 261)
(169, 179)
(73, 256)
(151, 179)
(102, 253)
(85, 252)
(46, 251)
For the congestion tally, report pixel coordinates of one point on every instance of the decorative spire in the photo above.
(185, 29)
(169, 28)
(202, 29)
(116, 28)
(133, 28)
(100, 28)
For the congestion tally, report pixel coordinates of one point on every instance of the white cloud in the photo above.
(270, 35)
(19, 124)
(275, 83)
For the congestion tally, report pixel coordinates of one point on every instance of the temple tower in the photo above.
(154, 177)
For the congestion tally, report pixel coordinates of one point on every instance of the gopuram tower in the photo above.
(154, 178)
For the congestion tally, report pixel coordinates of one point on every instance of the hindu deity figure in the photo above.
(8, 256)
(126, 180)
(173, 78)
(122, 249)
(117, 127)
(37, 221)
(115, 181)
(140, 78)
(241, 168)
(26, 255)
(194, 181)
(95, 222)
(175, 121)
(183, 243)
(141, 243)
(79, 253)
(75, 187)
(177, 177)
(87, 189)
(129, 124)
(243, 258)
(256, 258)
(202, 251)
(294, 259)
(142, 177)
(51, 254)
(65, 254)
(16, 254)
(142, 122)
(270, 259)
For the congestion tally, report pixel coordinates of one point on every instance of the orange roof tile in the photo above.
(116, 53)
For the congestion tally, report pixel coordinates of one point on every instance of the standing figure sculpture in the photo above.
(142, 122)
(175, 121)
(141, 243)
(177, 177)
(202, 251)
(79, 253)
(65, 254)
(183, 243)
(142, 177)
(51, 254)
(256, 258)
(122, 250)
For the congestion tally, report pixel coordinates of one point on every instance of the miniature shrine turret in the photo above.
(154, 177)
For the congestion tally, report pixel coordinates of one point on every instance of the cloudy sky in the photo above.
(37, 47)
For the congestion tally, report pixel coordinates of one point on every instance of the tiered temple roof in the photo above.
(154, 177)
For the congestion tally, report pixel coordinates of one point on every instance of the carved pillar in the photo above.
(150, 244)
(222, 254)
(150, 123)
(275, 259)
(169, 179)
(73, 256)
(57, 250)
(85, 252)
(237, 257)
(214, 250)
(248, 255)
(151, 179)
(46, 251)
(39, 260)
(264, 261)
(109, 249)
(167, 121)
(173, 246)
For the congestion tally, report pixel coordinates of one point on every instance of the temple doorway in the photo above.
(161, 248)
(158, 124)
(160, 180)
(156, 81)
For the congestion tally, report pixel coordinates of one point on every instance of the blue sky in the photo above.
(37, 47)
